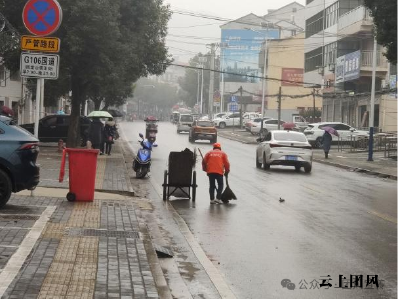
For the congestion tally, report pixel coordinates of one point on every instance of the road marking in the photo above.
(384, 217)
(16, 261)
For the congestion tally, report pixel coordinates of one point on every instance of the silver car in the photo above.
(286, 148)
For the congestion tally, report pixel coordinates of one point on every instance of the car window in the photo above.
(205, 124)
(186, 119)
(288, 136)
(257, 120)
(52, 121)
(61, 120)
(236, 115)
(342, 127)
(271, 122)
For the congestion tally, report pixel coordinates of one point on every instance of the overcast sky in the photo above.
(203, 31)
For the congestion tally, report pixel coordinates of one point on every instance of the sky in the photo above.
(188, 35)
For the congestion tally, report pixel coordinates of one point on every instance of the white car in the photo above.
(184, 123)
(231, 119)
(268, 125)
(249, 116)
(314, 132)
(286, 148)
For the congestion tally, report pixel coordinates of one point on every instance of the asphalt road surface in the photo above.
(333, 227)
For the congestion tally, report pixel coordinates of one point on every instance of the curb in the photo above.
(236, 139)
(355, 169)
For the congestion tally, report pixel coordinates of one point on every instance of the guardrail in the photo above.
(386, 142)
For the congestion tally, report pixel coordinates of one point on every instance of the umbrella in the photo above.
(5, 110)
(288, 125)
(100, 114)
(331, 130)
(228, 194)
(115, 113)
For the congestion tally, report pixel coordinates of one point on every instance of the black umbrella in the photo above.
(115, 113)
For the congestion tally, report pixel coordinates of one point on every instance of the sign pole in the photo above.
(37, 112)
(372, 101)
(42, 113)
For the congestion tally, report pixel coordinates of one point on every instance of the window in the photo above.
(271, 122)
(289, 136)
(2, 73)
(313, 59)
(294, 9)
(52, 121)
(331, 15)
(314, 24)
(342, 127)
(330, 52)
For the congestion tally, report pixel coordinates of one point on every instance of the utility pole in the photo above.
(198, 89)
(240, 109)
(202, 60)
(279, 107)
(313, 112)
(211, 84)
(372, 101)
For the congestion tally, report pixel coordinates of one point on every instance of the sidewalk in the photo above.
(52, 248)
(353, 161)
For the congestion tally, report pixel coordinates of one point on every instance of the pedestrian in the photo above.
(216, 164)
(326, 143)
(96, 132)
(110, 135)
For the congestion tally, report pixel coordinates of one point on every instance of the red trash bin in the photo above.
(82, 172)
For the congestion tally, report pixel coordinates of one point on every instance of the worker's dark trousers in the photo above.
(213, 177)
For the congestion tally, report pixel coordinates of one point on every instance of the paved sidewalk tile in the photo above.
(86, 250)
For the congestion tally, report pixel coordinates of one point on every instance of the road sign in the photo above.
(39, 65)
(234, 99)
(233, 107)
(44, 44)
(42, 17)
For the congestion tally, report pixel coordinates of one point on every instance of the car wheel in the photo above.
(297, 168)
(222, 125)
(308, 168)
(258, 164)
(5, 188)
(265, 165)
(318, 143)
(190, 138)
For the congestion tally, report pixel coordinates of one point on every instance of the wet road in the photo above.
(333, 222)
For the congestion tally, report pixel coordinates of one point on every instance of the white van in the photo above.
(184, 123)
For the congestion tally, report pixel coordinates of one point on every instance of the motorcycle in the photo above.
(142, 162)
(151, 129)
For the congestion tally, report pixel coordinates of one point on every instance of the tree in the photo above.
(189, 83)
(384, 14)
(105, 47)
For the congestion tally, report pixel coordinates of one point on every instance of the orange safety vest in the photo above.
(215, 161)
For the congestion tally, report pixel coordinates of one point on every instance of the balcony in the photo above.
(367, 61)
(355, 21)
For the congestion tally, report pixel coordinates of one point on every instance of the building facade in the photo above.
(338, 58)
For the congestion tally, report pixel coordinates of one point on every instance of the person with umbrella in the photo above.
(96, 130)
(215, 163)
(327, 139)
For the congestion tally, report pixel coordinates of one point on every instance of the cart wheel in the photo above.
(71, 197)
(194, 186)
(165, 186)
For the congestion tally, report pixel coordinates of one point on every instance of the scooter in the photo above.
(142, 162)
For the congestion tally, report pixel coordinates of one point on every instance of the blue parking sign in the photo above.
(234, 99)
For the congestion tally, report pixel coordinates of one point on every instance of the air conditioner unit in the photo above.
(332, 67)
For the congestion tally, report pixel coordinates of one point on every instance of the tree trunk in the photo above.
(74, 125)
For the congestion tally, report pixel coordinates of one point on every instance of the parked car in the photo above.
(55, 127)
(250, 123)
(184, 123)
(230, 119)
(18, 154)
(268, 125)
(314, 132)
(248, 116)
(203, 130)
(287, 148)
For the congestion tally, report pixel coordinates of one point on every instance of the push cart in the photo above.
(179, 178)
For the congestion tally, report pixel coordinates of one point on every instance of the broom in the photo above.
(228, 194)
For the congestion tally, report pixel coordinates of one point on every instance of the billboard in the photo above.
(292, 74)
(240, 55)
(348, 67)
